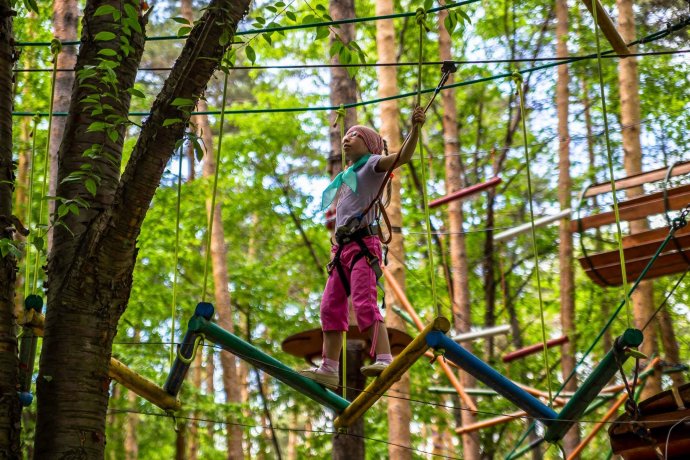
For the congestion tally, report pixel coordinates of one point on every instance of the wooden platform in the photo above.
(639, 249)
(660, 414)
(605, 268)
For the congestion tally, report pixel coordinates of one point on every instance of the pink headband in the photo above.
(371, 138)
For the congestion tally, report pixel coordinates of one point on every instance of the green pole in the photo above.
(270, 365)
(599, 377)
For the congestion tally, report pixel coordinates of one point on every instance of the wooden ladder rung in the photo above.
(657, 235)
(637, 179)
(636, 208)
(666, 264)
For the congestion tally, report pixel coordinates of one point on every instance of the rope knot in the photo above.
(55, 46)
(517, 77)
(420, 18)
(339, 115)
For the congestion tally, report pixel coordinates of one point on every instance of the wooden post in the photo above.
(351, 446)
(608, 28)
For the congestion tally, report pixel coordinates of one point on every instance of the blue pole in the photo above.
(485, 373)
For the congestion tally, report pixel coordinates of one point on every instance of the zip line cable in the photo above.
(648, 39)
(399, 64)
(313, 25)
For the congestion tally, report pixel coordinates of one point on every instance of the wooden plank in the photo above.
(657, 235)
(637, 179)
(636, 208)
(608, 28)
(666, 264)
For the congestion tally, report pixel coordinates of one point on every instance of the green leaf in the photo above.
(251, 54)
(198, 151)
(182, 102)
(96, 127)
(136, 93)
(291, 16)
(182, 31)
(74, 209)
(107, 52)
(105, 9)
(171, 121)
(113, 135)
(181, 20)
(7, 246)
(465, 16)
(62, 211)
(104, 36)
(130, 11)
(31, 5)
(90, 185)
(322, 32)
(450, 22)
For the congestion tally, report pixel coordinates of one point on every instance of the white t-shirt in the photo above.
(351, 204)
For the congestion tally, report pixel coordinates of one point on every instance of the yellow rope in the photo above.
(27, 256)
(420, 18)
(517, 78)
(609, 157)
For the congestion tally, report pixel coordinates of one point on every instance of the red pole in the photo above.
(521, 353)
(465, 192)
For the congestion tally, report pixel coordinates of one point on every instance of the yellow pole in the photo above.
(116, 371)
(390, 375)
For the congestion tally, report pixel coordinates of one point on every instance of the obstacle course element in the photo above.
(530, 350)
(465, 192)
(27, 351)
(199, 325)
(482, 333)
(391, 374)
(513, 232)
(607, 27)
(662, 425)
(557, 424)
(640, 248)
(116, 371)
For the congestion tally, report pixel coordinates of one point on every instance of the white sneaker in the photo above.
(327, 379)
(374, 370)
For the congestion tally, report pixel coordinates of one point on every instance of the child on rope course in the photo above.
(354, 268)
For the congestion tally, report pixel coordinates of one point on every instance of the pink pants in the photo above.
(334, 307)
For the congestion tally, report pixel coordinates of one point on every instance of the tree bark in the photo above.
(92, 259)
(399, 411)
(565, 248)
(65, 17)
(219, 262)
(10, 410)
(462, 313)
(643, 297)
(132, 423)
(343, 88)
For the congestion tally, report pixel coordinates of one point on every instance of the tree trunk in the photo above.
(132, 423)
(65, 17)
(565, 248)
(643, 297)
(10, 410)
(343, 88)
(351, 447)
(462, 313)
(399, 411)
(193, 441)
(92, 259)
(219, 258)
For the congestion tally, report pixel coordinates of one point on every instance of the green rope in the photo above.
(215, 187)
(284, 28)
(420, 18)
(55, 48)
(27, 256)
(609, 158)
(177, 255)
(517, 78)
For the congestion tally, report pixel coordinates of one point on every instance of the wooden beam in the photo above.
(530, 350)
(402, 298)
(608, 28)
(465, 192)
(637, 179)
(636, 208)
(116, 371)
(390, 375)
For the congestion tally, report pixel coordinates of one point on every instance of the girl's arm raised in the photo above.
(408, 148)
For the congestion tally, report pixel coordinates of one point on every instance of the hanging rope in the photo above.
(55, 48)
(173, 306)
(609, 157)
(517, 78)
(215, 186)
(27, 257)
(421, 21)
(340, 118)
